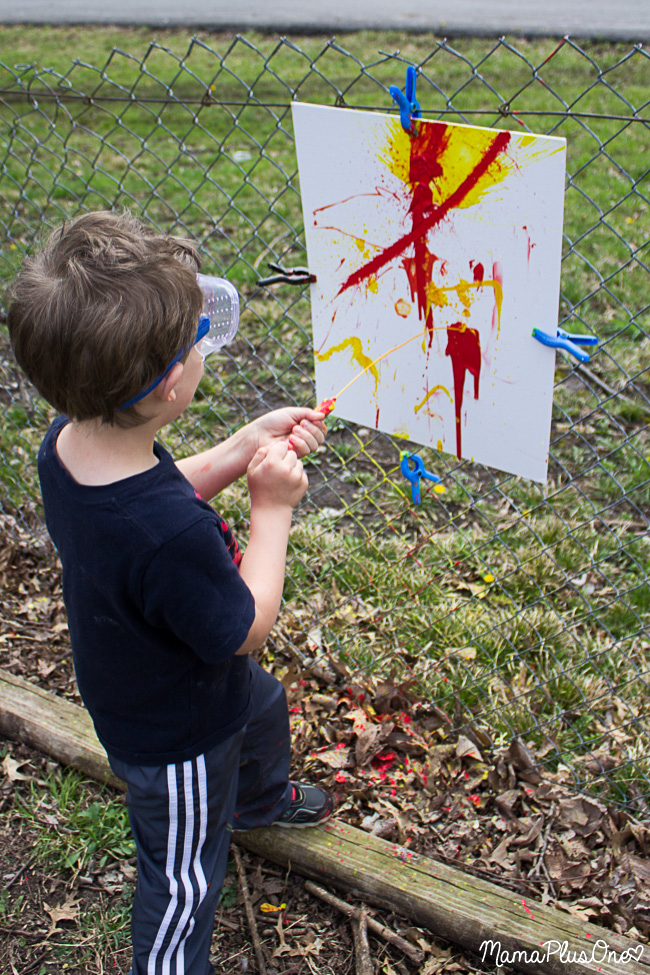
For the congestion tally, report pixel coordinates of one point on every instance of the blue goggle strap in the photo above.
(203, 329)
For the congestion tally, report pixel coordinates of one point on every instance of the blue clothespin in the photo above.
(409, 107)
(564, 340)
(413, 474)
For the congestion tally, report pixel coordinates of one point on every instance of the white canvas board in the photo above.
(450, 242)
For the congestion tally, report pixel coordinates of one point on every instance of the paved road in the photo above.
(627, 20)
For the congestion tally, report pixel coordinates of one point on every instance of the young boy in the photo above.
(163, 609)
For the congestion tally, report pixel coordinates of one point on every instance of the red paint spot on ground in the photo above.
(527, 909)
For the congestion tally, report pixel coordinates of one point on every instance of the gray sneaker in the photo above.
(309, 806)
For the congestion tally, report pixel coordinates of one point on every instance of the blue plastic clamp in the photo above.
(413, 474)
(567, 341)
(409, 107)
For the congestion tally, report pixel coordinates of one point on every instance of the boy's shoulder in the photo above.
(159, 503)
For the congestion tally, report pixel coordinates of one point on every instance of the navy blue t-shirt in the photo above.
(156, 608)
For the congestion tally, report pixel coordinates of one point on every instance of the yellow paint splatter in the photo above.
(462, 290)
(358, 355)
(437, 298)
(360, 242)
(435, 389)
(464, 148)
(372, 284)
(439, 445)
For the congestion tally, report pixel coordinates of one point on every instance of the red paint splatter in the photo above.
(526, 908)
(478, 271)
(377, 419)
(426, 149)
(464, 349)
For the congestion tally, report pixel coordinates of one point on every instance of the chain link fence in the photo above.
(508, 609)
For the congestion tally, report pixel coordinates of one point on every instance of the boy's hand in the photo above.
(304, 428)
(276, 478)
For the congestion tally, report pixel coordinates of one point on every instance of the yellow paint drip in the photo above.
(358, 355)
(431, 392)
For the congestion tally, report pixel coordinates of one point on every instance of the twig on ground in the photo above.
(37, 961)
(415, 954)
(18, 874)
(250, 917)
(362, 956)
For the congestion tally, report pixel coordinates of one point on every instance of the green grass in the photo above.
(544, 647)
(76, 830)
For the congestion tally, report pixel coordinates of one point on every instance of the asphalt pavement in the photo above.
(624, 20)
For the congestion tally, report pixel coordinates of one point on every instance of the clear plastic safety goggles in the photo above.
(218, 324)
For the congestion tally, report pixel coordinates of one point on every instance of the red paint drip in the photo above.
(479, 272)
(464, 349)
(425, 215)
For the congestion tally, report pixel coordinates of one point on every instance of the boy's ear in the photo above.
(166, 388)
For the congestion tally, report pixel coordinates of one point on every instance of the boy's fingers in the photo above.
(258, 458)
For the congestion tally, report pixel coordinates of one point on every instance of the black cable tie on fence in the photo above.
(283, 275)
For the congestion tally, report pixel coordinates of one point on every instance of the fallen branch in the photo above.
(413, 953)
(250, 916)
(362, 956)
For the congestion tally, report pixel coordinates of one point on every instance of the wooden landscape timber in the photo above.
(501, 926)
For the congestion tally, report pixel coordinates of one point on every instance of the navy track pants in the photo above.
(181, 815)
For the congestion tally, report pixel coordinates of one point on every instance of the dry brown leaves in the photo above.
(394, 763)
(399, 772)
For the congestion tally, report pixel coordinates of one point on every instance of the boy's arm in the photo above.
(214, 469)
(276, 482)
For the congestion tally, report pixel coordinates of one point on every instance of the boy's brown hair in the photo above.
(98, 313)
